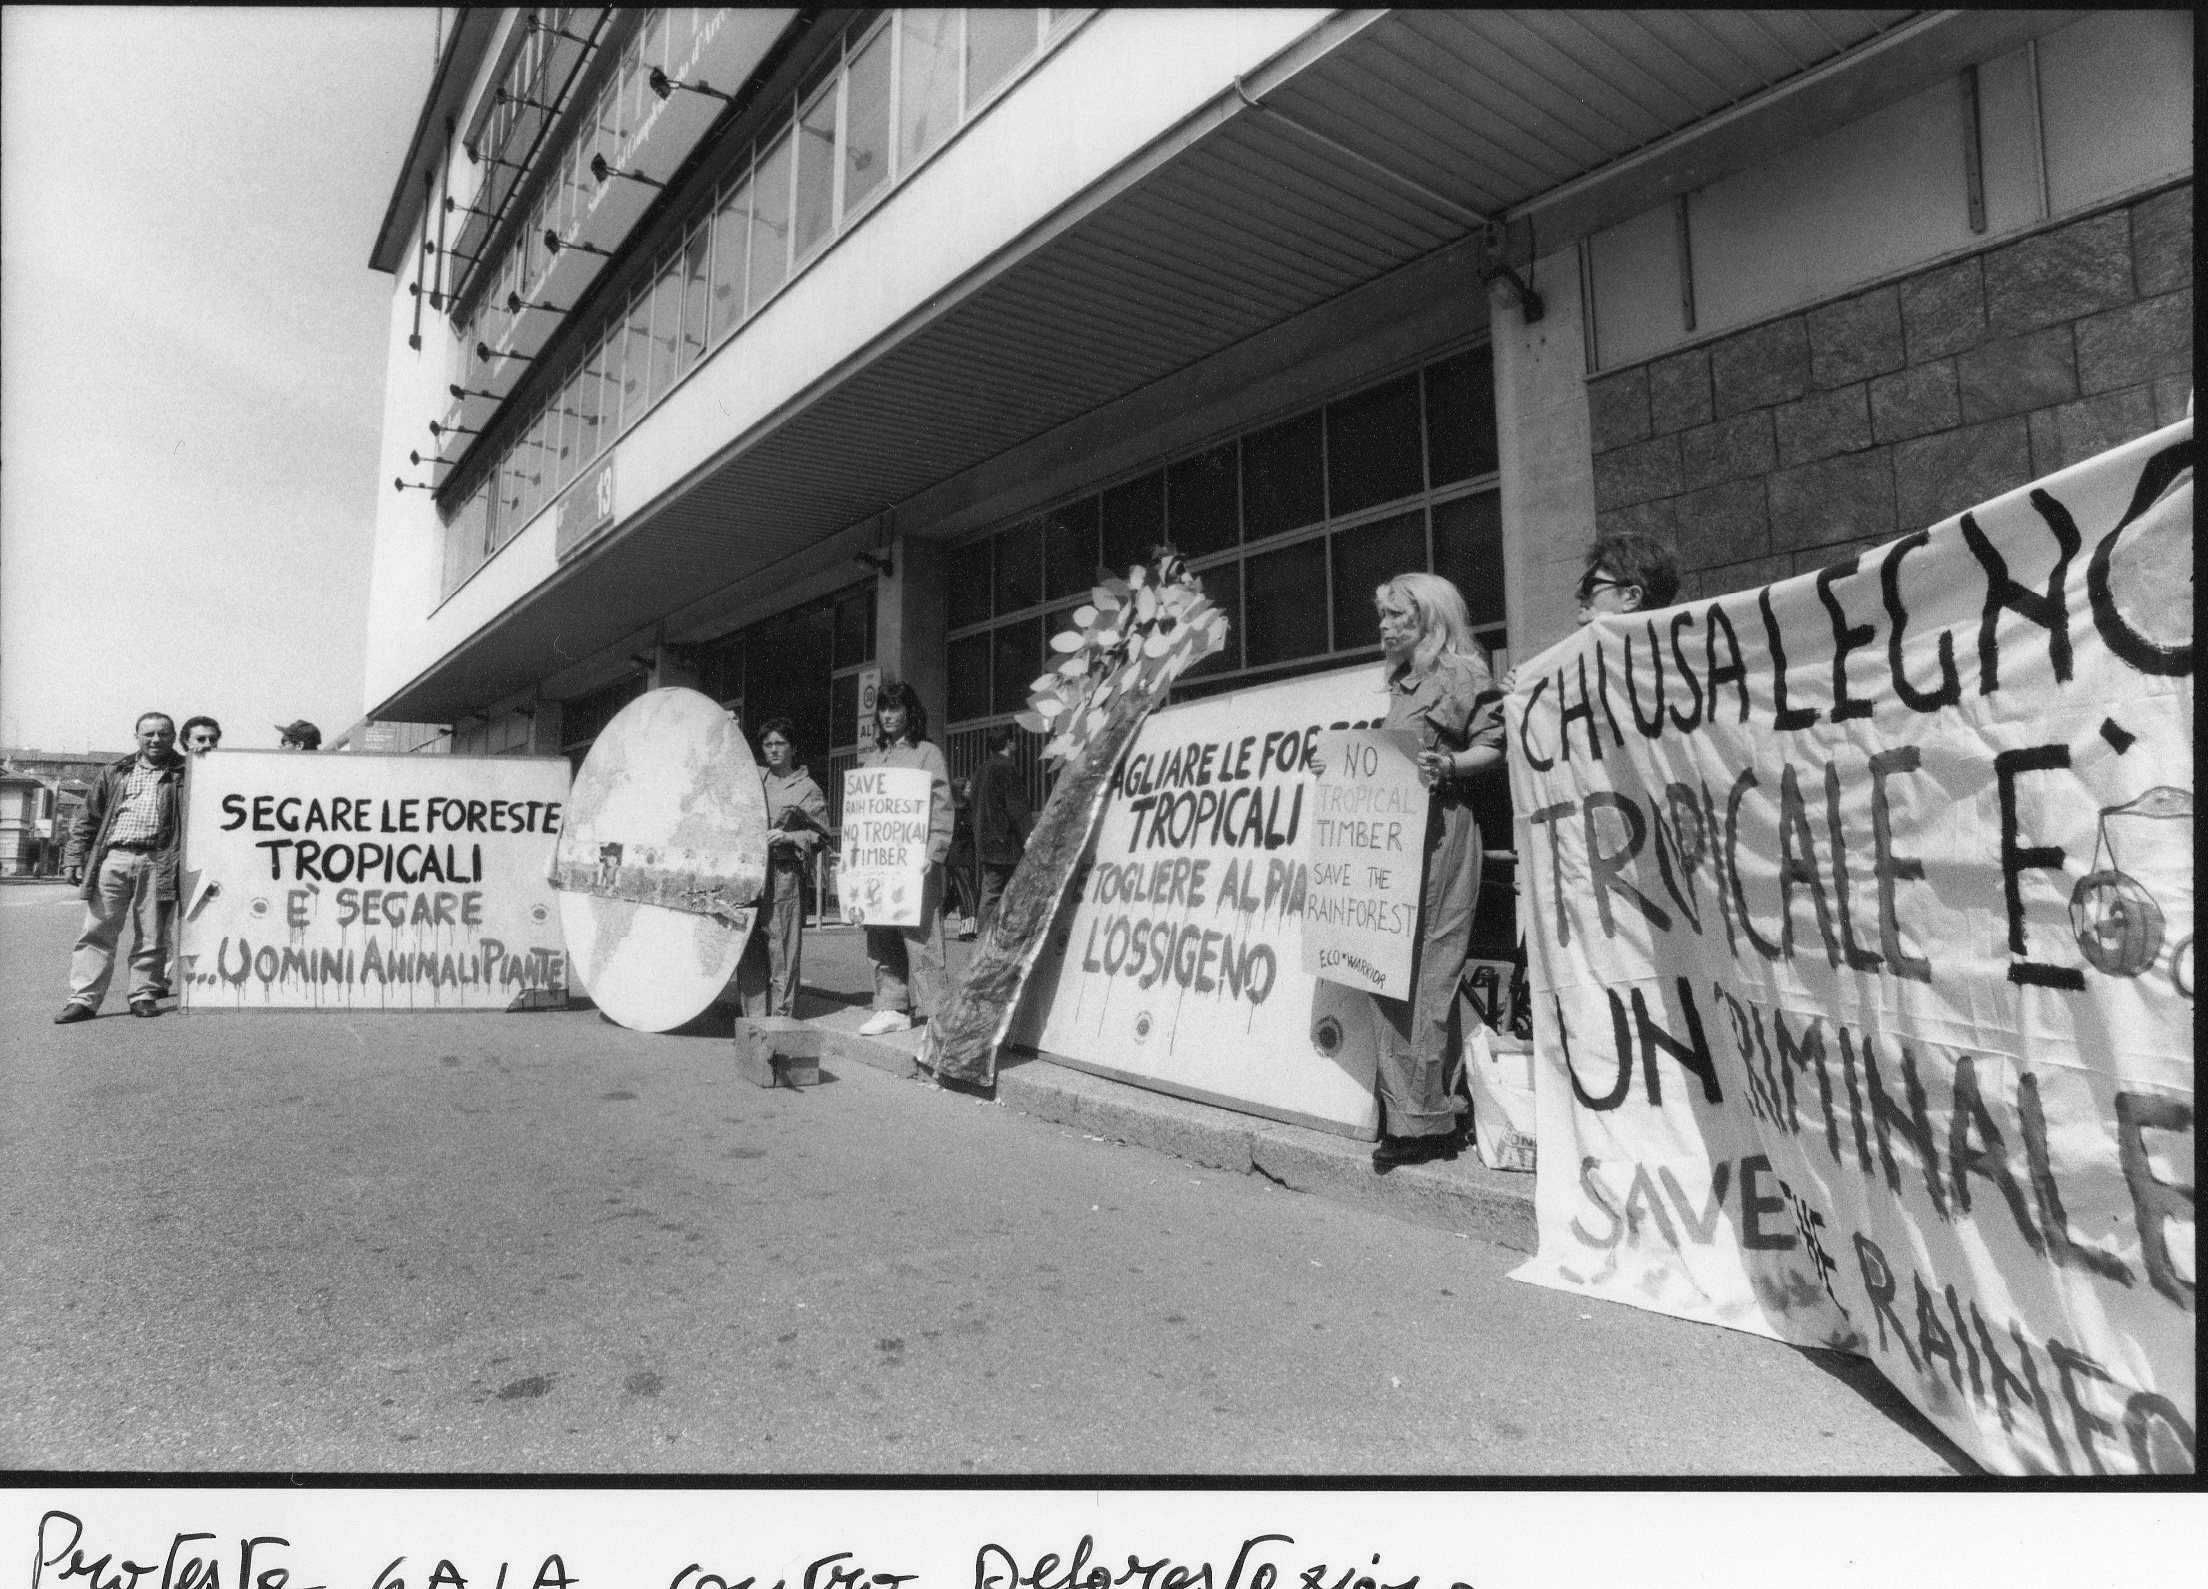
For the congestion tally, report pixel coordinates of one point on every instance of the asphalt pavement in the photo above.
(544, 1244)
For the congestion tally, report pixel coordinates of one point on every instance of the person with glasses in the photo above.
(1627, 571)
(797, 821)
(201, 734)
(1436, 679)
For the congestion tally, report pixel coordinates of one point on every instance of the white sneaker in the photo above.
(886, 1021)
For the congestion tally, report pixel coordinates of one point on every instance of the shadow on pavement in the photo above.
(1861, 1375)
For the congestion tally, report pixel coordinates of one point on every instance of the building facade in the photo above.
(40, 794)
(774, 351)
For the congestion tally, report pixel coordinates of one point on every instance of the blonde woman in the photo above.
(1438, 684)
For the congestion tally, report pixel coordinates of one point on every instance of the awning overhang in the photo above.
(1247, 216)
(472, 31)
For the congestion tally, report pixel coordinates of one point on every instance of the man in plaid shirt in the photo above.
(123, 854)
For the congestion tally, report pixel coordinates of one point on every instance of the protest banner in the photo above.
(1177, 962)
(1859, 918)
(1367, 856)
(354, 882)
(883, 864)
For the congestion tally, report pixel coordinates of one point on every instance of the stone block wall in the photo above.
(1784, 446)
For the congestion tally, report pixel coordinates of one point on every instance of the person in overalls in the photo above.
(1438, 684)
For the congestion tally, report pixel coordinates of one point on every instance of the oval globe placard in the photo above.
(660, 860)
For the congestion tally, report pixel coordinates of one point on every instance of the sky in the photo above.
(191, 387)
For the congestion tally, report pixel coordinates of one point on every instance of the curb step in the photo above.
(1462, 1195)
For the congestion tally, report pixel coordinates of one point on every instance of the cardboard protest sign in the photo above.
(1367, 849)
(349, 883)
(1177, 961)
(884, 862)
(1859, 911)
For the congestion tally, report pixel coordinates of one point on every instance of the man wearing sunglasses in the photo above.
(1627, 572)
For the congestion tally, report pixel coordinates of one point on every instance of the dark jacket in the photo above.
(1001, 818)
(88, 832)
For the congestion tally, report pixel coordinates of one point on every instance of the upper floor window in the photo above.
(878, 105)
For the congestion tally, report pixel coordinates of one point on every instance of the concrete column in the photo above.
(908, 623)
(544, 729)
(1547, 464)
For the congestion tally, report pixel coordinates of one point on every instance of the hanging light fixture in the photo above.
(442, 431)
(515, 303)
(663, 86)
(553, 243)
(601, 170)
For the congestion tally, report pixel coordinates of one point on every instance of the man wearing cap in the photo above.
(301, 735)
(123, 854)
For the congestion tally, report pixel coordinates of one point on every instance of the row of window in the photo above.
(1290, 527)
(917, 72)
(528, 96)
(1420, 432)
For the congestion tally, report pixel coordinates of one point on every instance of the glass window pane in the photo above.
(1283, 478)
(464, 537)
(636, 344)
(966, 692)
(1372, 448)
(1460, 417)
(1069, 548)
(1018, 660)
(507, 510)
(927, 101)
(589, 429)
(560, 427)
(1203, 502)
(1468, 552)
(816, 171)
(1280, 619)
(1019, 566)
(532, 456)
(996, 42)
(843, 710)
(666, 326)
(854, 630)
(866, 122)
(694, 260)
(731, 247)
(968, 573)
(770, 223)
(1223, 585)
(1366, 558)
(1134, 521)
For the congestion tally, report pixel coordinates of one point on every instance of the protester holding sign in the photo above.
(797, 821)
(911, 969)
(1438, 685)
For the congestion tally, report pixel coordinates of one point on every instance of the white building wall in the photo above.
(1126, 79)
(2112, 111)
